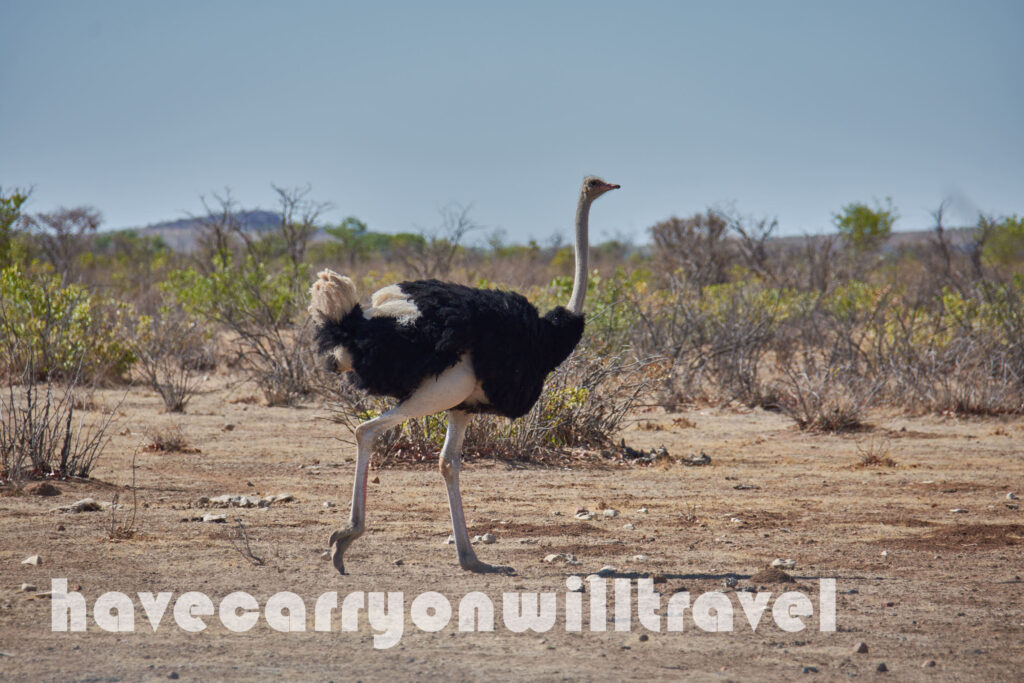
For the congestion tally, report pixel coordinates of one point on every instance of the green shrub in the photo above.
(64, 329)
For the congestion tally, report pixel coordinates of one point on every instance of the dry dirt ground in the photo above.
(916, 582)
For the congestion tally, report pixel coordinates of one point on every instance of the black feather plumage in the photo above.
(511, 346)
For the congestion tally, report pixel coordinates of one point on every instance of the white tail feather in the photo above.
(332, 297)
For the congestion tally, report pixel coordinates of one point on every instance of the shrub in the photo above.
(40, 434)
(62, 331)
(260, 309)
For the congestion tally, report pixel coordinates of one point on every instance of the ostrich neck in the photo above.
(579, 286)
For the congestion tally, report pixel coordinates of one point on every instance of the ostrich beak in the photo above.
(609, 186)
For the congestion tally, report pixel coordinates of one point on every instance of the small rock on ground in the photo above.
(928, 664)
(606, 570)
(33, 560)
(861, 648)
(611, 513)
(628, 526)
(809, 670)
(783, 564)
(215, 519)
(27, 588)
(488, 538)
(882, 668)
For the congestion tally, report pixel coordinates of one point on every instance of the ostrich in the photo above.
(437, 346)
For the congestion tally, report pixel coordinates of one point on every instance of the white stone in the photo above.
(553, 557)
(642, 511)
(958, 511)
(639, 558)
(611, 513)
(216, 519)
(628, 526)
(784, 564)
(33, 560)
(488, 538)
(606, 570)
(585, 516)
(27, 588)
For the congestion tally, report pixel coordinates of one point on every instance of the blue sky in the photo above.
(391, 110)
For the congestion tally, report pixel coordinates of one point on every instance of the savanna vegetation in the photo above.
(716, 309)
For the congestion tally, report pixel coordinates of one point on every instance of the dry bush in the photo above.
(169, 350)
(167, 440)
(696, 247)
(875, 452)
(40, 434)
(822, 395)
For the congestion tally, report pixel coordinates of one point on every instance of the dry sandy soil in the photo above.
(916, 582)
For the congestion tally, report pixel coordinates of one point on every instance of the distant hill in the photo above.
(180, 235)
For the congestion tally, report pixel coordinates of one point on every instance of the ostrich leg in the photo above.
(451, 462)
(448, 389)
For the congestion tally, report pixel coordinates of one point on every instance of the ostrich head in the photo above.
(594, 187)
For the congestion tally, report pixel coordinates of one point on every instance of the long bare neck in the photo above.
(579, 285)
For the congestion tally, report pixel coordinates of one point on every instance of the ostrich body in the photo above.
(437, 346)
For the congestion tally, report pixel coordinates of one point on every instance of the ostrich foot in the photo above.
(340, 541)
(476, 566)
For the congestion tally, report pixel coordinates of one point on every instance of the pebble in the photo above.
(173, 675)
(643, 637)
(556, 513)
(628, 526)
(328, 504)
(928, 664)
(885, 553)
(611, 513)
(488, 538)
(639, 558)
(202, 500)
(783, 564)
(958, 510)
(809, 670)
(730, 582)
(216, 519)
(33, 560)
(861, 648)
(555, 557)
(642, 511)
(281, 498)
(606, 570)
(450, 540)
(27, 588)
(325, 555)
(399, 563)
(736, 520)
(882, 668)
(1011, 496)
(586, 516)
